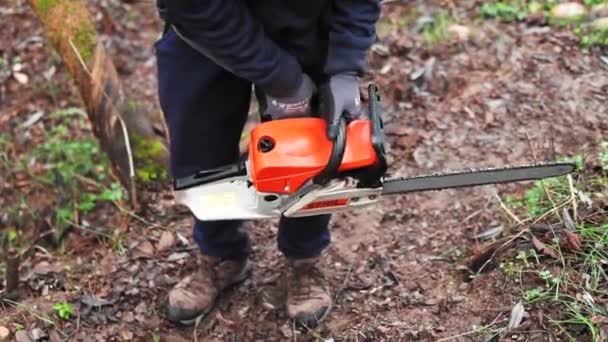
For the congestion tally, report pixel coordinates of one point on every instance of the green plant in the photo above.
(75, 166)
(506, 10)
(593, 2)
(532, 294)
(63, 309)
(574, 273)
(604, 156)
(436, 32)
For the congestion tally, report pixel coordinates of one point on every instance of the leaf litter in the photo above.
(452, 80)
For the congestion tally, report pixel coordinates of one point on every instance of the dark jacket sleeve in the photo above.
(353, 31)
(225, 32)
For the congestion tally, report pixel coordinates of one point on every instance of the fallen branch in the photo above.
(12, 274)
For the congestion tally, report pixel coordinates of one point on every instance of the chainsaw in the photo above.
(293, 170)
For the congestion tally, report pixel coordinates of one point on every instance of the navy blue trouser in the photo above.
(206, 108)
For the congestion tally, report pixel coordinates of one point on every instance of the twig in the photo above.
(531, 147)
(76, 225)
(573, 197)
(547, 213)
(195, 330)
(137, 217)
(507, 210)
(346, 277)
(88, 181)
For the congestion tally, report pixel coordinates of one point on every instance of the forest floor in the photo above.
(461, 91)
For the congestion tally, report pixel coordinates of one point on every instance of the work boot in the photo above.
(308, 296)
(195, 295)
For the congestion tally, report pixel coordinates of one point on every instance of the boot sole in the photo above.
(237, 280)
(318, 320)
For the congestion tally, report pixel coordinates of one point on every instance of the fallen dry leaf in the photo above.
(517, 315)
(167, 240)
(568, 221)
(541, 247)
(104, 292)
(573, 240)
(144, 250)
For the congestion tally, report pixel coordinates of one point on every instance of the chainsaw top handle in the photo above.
(369, 176)
(335, 159)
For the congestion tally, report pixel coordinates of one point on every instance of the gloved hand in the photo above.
(339, 98)
(297, 104)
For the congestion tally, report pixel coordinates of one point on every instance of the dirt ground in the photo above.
(506, 94)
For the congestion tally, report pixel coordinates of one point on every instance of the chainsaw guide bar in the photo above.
(472, 177)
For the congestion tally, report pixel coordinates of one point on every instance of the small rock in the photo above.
(464, 287)
(4, 333)
(22, 336)
(243, 311)
(21, 77)
(178, 256)
(128, 317)
(132, 292)
(568, 11)
(141, 307)
(126, 335)
(167, 240)
(38, 334)
(459, 31)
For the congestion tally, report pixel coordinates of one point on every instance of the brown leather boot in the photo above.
(308, 296)
(195, 295)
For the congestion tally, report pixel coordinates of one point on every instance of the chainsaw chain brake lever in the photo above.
(372, 176)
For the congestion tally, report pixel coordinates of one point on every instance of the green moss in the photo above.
(147, 154)
(84, 40)
(45, 5)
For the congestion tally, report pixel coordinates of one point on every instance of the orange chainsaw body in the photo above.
(285, 153)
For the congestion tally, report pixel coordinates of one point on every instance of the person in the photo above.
(210, 57)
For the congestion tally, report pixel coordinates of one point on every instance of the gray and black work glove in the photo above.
(340, 98)
(296, 104)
